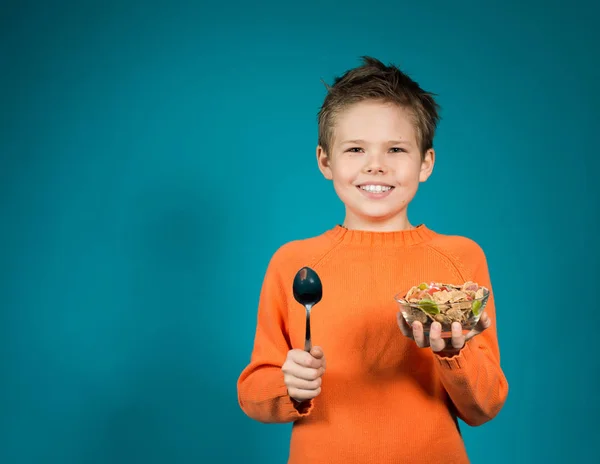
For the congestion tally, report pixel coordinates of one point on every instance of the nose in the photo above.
(375, 165)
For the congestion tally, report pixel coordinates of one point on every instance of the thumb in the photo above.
(317, 352)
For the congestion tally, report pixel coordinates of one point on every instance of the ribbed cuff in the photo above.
(459, 360)
(291, 408)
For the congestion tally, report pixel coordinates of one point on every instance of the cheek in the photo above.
(343, 181)
(344, 173)
(408, 174)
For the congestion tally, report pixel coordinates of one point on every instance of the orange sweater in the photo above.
(383, 399)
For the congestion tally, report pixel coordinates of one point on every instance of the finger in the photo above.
(458, 339)
(305, 359)
(404, 327)
(302, 395)
(317, 353)
(484, 323)
(418, 335)
(436, 341)
(302, 384)
(300, 372)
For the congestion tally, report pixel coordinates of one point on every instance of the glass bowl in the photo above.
(444, 303)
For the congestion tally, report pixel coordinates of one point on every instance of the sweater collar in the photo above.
(414, 236)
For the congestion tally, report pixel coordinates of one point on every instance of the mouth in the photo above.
(375, 188)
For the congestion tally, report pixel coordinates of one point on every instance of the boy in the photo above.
(369, 392)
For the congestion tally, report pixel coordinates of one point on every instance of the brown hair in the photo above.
(375, 81)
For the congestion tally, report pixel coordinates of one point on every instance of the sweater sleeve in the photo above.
(262, 393)
(473, 378)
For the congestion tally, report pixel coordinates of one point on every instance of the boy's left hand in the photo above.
(439, 345)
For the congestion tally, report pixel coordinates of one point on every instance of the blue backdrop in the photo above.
(154, 156)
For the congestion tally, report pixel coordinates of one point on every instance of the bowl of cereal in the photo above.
(444, 303)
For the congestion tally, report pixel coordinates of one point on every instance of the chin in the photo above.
(378, 216)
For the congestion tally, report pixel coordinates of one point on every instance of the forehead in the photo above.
(374, 121)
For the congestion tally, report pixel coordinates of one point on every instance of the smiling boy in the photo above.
(373, 390)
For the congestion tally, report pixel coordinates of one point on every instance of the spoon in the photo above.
(308, 291)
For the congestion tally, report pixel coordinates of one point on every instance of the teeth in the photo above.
(375, 188)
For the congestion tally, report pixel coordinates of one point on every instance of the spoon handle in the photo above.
(307, 339)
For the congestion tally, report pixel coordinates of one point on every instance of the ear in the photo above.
(427, 165)
(324, 163)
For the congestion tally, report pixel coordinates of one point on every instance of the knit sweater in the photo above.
(383, 399)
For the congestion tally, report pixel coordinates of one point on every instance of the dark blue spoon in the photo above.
(308, 291)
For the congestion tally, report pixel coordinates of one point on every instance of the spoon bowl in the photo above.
(308, 291)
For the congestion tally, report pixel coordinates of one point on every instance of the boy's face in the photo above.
(375, 165)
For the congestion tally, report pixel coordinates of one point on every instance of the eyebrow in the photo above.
(391, 142)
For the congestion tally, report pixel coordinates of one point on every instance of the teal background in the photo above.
(155, 155)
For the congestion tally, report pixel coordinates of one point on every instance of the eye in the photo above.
(354, 150)
(397, 150)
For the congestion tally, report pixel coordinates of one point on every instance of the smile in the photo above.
(376, 188)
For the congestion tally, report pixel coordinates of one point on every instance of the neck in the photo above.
(396, 223)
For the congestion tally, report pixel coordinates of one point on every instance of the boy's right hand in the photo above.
(302, 372)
